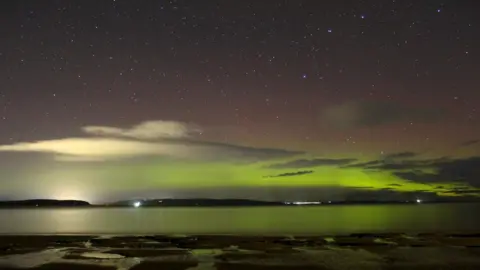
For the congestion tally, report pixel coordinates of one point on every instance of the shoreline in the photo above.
(136, 252)
(12, 205)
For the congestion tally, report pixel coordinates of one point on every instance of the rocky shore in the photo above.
(204, 252)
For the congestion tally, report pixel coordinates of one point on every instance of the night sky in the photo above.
(273, 100)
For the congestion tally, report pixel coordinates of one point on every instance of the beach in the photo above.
(203, 252)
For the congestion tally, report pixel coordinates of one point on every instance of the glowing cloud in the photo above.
(170, 144)
(71, 149)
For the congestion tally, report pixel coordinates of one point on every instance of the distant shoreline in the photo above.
(201, 203)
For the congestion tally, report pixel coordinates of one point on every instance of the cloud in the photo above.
(392, 164)
(430, 171)
(457, 170)
(309, 163)
(145, 130)
(171, 145)
(245, 152)
(420, 177)
(364, 165)
(291, 174)
(401, 155)
(395, 185)
(466, 191)
(66, 158)
(375, 113)
(469, 143)
(391, 161)
(94, 148)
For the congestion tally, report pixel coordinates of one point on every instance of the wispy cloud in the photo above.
(365, 165)
(375, 113)
(469, 143)
(401, 155)
(290, 174)
(146, 130)
(113, 143)
(310, 163)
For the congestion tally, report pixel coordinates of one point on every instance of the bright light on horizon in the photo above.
(303, 203)
(137, 204)
(419, 201)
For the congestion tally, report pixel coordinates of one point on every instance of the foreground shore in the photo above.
(356, 251)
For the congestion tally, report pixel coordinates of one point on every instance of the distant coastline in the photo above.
(150, 203)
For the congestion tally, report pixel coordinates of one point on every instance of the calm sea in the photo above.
(248, 220)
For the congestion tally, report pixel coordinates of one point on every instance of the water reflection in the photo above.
(254, 220)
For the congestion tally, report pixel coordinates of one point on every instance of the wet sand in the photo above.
(203, 252)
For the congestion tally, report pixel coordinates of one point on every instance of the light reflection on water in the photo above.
(244, 220)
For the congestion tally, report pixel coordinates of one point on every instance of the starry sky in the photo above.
(272, 100)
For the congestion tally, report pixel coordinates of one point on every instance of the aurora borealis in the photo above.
(273, 100)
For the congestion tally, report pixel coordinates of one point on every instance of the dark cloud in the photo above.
(364, 187)
(309, 163)
(418, 176)
(444, 170)
(376, 113)
(291, 174)
(364, 165)
(216, 150)
(401, 155)
(395, 185)
(466, 191)
(391, 161)
(249, 154)
(384, 165)
(469, 143)
(429, 171)
(392, 164)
